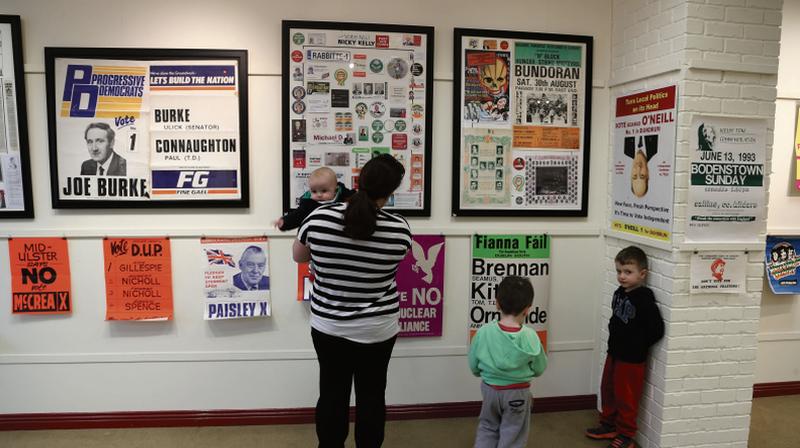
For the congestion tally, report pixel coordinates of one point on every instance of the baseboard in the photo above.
(776, 389)
(232, 417)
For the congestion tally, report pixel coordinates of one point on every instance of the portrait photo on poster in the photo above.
(148, 128)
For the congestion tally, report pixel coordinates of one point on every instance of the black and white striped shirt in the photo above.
(354, 295)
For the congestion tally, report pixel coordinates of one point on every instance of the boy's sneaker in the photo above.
(622, 442)
(601, 432)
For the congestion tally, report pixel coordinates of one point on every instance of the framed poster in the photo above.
(16, 197)
(352, 91)
(521, 123)
(147, 127)
(797, 147)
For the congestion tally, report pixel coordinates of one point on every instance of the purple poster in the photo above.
(420, 281)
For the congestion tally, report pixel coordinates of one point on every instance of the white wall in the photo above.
(779, 337)
(82, 363)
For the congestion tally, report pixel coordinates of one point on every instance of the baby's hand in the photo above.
(278, 223)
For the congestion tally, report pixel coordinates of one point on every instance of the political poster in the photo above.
(782, 264)
(236, 278)
(718, 273)
(726, 198)
(40, 276)
(352, 92)
(305, 279)
(643, 172)
(797, 149)
(138, 275)
(520, 142)
(496, 256)
(420, 284)
(16, 199)
(132, 129)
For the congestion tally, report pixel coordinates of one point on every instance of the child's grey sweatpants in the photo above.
(505, 418)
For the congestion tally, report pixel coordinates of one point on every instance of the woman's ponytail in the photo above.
(378, 179)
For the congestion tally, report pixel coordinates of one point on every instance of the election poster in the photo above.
(16, 199)
(138, 274)
(782, 263)
(797, 150)
(236, 278)
(305, 279)
(521, 139)
(496, 256)
(643, 172)
(40, 276)
(420, 284)
(131, 129)
(726, 199)
(718, 273)
(352, 92)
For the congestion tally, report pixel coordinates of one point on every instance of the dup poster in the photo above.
(40, 276)
(236, 278)
(146, 131)
(353, 94)
(497, 256)
(782, 263)
(138, 274)
(420, 283)
(726, 199)
(718, 273)
(15, 183)
(521, 132)
(643, 173)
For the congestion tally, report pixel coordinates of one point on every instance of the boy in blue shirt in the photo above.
(507, 355)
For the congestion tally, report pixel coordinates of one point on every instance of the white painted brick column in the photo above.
(723, 56)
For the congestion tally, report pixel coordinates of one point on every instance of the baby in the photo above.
(323, 188)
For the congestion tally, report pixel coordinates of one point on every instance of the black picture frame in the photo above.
(287, 115)
(21, 130)
(240, 57)
(458, 119)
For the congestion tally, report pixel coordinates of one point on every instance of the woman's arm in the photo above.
(300, 252)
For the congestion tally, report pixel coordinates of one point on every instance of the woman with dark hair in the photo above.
(355, 248)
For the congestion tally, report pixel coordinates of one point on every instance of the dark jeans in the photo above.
(340, 363)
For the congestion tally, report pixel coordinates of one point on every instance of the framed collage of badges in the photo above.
(351, 92)
(521, 123)
(16, 197)
(147, 127)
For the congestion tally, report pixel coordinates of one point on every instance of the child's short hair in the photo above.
(322, 173)
(514, 294)
(632, 255)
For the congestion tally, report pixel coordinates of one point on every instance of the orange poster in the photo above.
(304, 280)
(40, 280)
(546, 137)
(138, 278)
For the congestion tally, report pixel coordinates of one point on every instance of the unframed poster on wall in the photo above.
(521, 123)
(16, 198)
(147, 127)
(352, 91)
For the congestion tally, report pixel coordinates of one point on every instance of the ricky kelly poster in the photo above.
(133, 130)
(355, 94)
(718, 273)
(40, 277)
(726, 183)
(523, 124)
(138, 274)
(420, 283)
(643, 157)
(236, 278)
(497, 256)
(782, 262)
